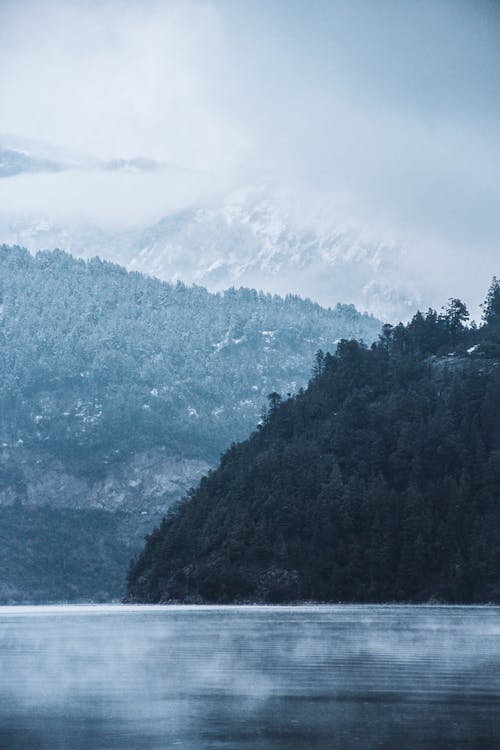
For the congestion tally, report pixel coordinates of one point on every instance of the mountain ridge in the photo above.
(244, 240)
(200, 228)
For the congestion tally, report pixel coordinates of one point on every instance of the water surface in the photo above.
(249, 678)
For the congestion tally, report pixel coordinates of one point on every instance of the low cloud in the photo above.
(381, 116)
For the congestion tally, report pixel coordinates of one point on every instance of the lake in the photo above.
(294, 678)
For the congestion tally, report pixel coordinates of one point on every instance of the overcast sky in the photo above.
(386, 111)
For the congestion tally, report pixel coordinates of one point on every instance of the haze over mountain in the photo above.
(373, 130)
(250, 236)
(26, 156)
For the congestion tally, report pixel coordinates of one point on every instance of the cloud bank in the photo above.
(383, 116)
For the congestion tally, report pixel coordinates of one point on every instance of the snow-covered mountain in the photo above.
(244, 241)
(232, 237)
(250, 240)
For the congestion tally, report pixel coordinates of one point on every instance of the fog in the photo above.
(112, 201)
(248, 677)
(381, 117)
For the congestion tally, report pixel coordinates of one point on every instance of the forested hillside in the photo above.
(62, 554)
(379, 483)
(96, 362)
(118, 391)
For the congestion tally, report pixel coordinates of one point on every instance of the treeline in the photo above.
(380, 482)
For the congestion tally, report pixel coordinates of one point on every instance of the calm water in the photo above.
(144, 678)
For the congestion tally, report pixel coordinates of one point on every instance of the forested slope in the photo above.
(118, 391)
(381, 482)
(96, 362)
(62, 554)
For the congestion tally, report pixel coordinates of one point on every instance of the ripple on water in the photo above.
(249, 677)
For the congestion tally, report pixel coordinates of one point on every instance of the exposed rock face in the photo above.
(148, 483)
(68, 537)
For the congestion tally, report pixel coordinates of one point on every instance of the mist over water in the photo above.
(149, 678)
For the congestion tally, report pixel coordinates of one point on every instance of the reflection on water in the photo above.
(252, 678)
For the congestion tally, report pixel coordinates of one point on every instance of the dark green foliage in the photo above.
(491, 307)
(491, 316)
(61, 554)
(380, 483)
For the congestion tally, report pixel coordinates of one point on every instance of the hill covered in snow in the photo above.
(177, 224)
(118, 391)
